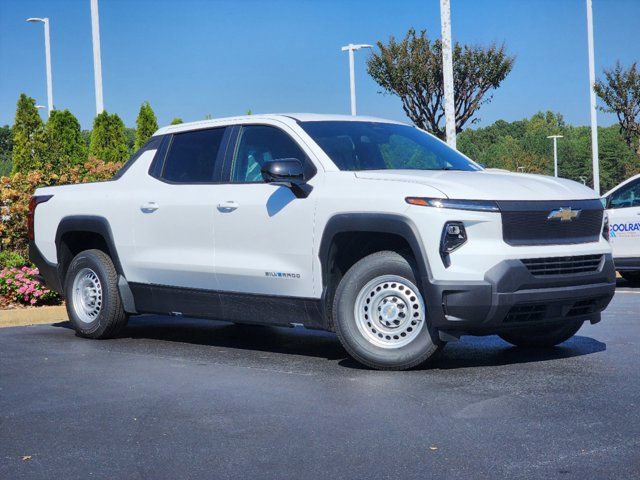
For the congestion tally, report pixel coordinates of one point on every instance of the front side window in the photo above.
(627, 196)
(192, 156)
(259, 144)
(384, 146)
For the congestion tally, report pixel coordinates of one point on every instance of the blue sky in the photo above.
(191, 58)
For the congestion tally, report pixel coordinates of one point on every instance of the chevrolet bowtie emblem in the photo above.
(564, 214)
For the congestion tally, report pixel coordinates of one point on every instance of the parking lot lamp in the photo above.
(47, 53)
(352, 81)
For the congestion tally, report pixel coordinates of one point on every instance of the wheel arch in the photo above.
(81, 232)
(395, 227)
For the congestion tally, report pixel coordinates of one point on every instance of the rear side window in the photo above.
(193, 156)
(152, 144)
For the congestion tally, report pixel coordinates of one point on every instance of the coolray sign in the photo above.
(625, 229)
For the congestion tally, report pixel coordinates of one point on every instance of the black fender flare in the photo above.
(98, 225)
(374, 222)
(92, 224)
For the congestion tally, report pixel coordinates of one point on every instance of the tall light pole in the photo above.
(555, 153)
(592, 97)
(447, 73)
(97, 63)
(47, 53)
(352, 81)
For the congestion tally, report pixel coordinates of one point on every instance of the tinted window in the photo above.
(627, 196)
(192, 156)
(383, 146)
(258, 145)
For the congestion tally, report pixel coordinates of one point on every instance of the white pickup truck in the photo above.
(370, 228)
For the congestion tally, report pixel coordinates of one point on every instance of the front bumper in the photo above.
(510, 297)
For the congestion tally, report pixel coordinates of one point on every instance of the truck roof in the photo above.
(299, 117)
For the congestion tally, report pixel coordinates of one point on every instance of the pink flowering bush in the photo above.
(22, 285)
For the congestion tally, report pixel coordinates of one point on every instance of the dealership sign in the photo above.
(625, 229)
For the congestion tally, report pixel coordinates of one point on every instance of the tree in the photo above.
(146, 125)
(28, 136)
(6, 147)
(412, 70)
(65, 145)
(620, 91)
(108, 138)
(523, 145)
(177, 121)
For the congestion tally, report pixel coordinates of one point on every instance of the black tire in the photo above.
(423, 343)
(631, 277)
(111, 317)
(541, 337)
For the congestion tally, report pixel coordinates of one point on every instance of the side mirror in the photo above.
(289, 173)
(606, 202)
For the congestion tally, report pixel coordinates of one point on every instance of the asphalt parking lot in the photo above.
(180, 398)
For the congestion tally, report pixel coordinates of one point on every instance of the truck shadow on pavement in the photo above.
(469, 352)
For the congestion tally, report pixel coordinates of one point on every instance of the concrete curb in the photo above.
(32, 316)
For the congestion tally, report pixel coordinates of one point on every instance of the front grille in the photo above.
(527, 223)
(526, 313)
(554, 310)
(540, 267)
(584, 307)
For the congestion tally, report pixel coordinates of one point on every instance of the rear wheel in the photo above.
(380, 316)
(631, 277)
(93, 300)
(541, 336)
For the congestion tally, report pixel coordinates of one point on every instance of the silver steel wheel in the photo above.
(87, 295)
(389, 311)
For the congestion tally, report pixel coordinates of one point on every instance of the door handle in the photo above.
(149, 207)
(228, 206)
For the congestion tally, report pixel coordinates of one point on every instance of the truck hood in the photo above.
(486, 185)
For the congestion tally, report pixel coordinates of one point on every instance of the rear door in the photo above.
(174, 212)
(624, 220)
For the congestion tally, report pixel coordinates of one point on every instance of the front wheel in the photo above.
(541, 336)
(380, 316)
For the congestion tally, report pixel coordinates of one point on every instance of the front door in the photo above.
(624, 220)
(263, 233)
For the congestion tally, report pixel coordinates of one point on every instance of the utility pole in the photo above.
(592, 97)
(97, 63)
(555, 153)
(352, 81)
(447, 73)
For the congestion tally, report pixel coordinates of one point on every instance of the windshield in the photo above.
(384, 146)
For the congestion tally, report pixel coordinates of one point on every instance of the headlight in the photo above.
(475, 205)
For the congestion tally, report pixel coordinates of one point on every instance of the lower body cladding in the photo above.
(515, 294)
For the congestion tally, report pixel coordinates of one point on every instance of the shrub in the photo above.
(22, 286)
(15, 192)
(11, 259)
